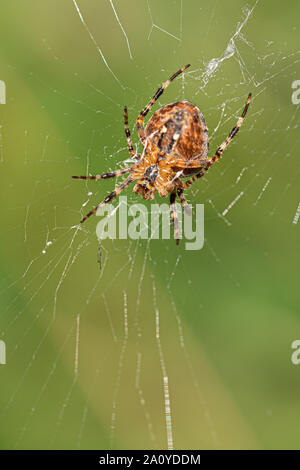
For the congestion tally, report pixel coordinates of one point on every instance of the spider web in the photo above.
(158, 347)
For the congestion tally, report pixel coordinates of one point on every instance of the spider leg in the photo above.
(222, 147)
(183, 201)
(174, 216)
(234, 131)
(144, 112)
(127, 133)
(108, 198)
(104, 176)
(187, 164)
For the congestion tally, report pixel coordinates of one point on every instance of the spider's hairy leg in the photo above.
(184, 164)
(144, 112)
(127, 133)
(108, 198)
(231, 135)
(174, 216)
(104, 176)
(184, 202)
(222, 147)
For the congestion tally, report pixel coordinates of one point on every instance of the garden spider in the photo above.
(175, 145)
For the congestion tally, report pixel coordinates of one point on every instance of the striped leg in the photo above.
(184, 202)
(174, 216)
(127, 133)
(222, 147)
(232, 133)
(144, 112)
(108, 198)
(196, 177)
(104, 176)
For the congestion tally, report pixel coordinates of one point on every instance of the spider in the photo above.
(175, 145)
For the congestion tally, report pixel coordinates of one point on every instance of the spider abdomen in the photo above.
(179, 129)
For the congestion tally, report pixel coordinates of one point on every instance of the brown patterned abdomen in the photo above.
(179, 129)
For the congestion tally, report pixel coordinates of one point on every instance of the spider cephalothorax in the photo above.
(154, 172)
(175, 145)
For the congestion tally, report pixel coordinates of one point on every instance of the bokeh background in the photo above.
(85, 363)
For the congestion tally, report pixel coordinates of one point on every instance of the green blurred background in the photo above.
(75, 377)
